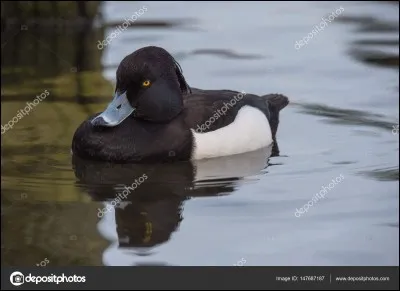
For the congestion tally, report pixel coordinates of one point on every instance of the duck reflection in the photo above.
(152, 212)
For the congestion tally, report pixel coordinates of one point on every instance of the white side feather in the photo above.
(249, 131)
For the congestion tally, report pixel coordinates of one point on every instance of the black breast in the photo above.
(134, 141)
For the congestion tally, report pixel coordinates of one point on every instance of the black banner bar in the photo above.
(200, 278)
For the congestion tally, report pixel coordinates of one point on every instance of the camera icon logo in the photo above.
(17, 278)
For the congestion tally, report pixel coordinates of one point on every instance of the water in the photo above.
(343, 87)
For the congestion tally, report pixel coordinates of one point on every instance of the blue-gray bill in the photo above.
(117, 111)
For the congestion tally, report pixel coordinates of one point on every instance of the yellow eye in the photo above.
(146, 83)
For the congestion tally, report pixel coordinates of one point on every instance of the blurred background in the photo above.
(343, 119)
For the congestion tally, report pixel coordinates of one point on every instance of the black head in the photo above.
(150, 86)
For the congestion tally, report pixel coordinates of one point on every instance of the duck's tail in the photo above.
(275, 102)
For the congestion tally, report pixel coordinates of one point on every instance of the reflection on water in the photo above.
(153, 211)
(343, 88)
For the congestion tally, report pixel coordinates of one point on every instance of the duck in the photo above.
(155, 116)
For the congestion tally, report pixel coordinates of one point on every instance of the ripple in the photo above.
(370, 24)
(386, 174)
(175, 23)
(346, 116)
(373, 42)
(222, 53)
(376, 58)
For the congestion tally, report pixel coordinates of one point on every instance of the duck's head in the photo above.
(150, 86)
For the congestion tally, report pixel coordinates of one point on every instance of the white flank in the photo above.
(249, 131)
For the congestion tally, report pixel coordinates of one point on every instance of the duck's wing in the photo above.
(218, 107)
